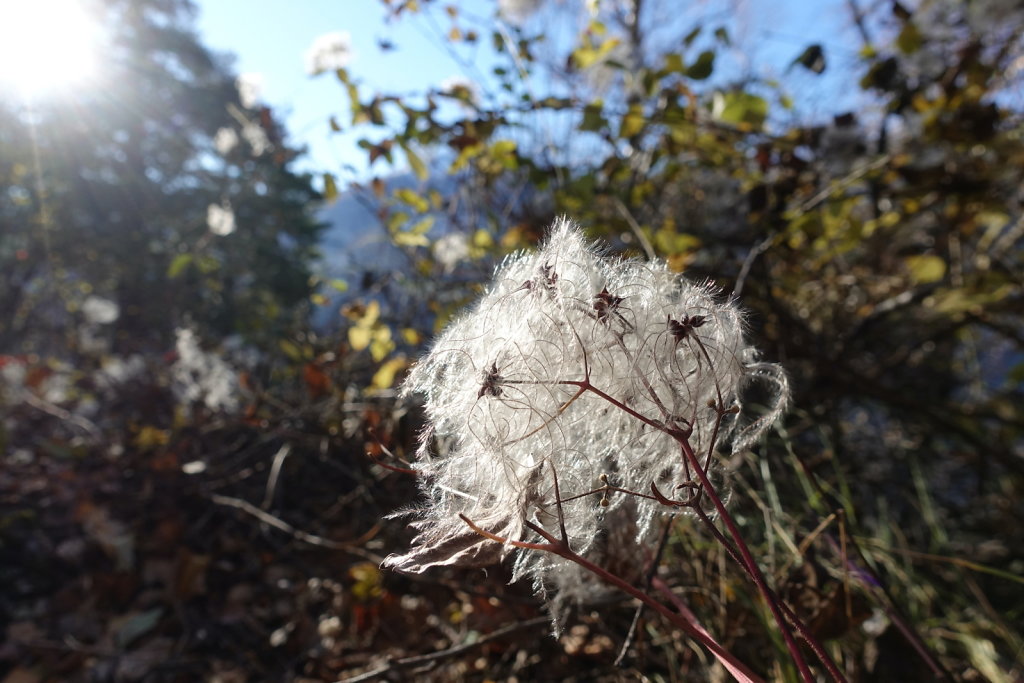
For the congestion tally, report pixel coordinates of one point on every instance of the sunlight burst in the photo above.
(47, 46)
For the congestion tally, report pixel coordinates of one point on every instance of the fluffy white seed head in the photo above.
(504, 405)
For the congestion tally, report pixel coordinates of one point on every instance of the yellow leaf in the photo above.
(411, 336)
(586, 57)
(366, 581)
(290, 349)
(151, 437)
(359, 337)
(330, 187)
(925, 269)
(633, 122)
(416, 235)
(984, 657)
(372, 314)
(678, 263)
(514, 238)
(396, 220)
(468, 153)
(480, 244)
(409, 239)
(178, 265)
(889, 219)
(381, 344)
(384, 378)
(422, 226)
(413, 199)
(503, 147)
(415, 163)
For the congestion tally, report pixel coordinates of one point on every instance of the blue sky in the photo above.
(271, 38)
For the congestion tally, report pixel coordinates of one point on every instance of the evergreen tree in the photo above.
(160, 190)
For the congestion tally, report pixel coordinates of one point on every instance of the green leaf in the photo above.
(669, 241)
(633, 122)
(674, 63)
(358, 115)
(137, 625)
(556, 103)
(375, 112)
(957, 300)
(883, 75)
(415, 163)
(740, 108)
(501, 156)
(178, 265)
(812, 59)
(703, 67)
(692, 36)
(909, 41)
(395, 221)
(468, 153)
(593, 119)
(207, 264)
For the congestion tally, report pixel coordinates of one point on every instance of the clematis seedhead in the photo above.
(507, 404)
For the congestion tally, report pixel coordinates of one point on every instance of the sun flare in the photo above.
(47, 46)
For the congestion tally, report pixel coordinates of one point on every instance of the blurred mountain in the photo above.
(357, 249)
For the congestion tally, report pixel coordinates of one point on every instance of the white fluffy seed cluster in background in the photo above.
(502, 410)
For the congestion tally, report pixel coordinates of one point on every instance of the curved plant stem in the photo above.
(690, 628)
(749, 563)
(798, 624)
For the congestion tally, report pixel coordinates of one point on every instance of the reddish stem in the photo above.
(560, 548)
(747, 557)
(751, 565)
(798, 624)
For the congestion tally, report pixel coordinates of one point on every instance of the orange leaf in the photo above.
(317, 382)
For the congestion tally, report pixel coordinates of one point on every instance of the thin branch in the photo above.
(652, 569)
(558, 505)
(751, 565)
(557, 547)
(748, 262)
(419, 660)
(275, 474)
(635, 227)
(854, 175)
(298, 534)
(82, 423)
